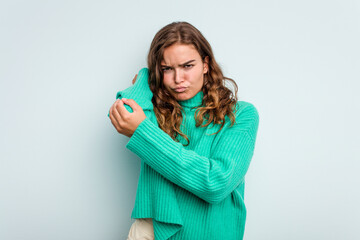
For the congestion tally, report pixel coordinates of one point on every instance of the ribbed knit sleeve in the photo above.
(140, 92)
(210, 178)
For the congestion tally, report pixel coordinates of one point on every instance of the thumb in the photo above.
(131, 103)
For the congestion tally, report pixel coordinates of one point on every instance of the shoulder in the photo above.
(246, 118)
(246, 109)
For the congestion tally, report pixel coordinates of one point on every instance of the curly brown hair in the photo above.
(218, 100)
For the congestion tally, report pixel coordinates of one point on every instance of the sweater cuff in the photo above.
(141, 137)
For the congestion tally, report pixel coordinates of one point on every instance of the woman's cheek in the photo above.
(166, 80)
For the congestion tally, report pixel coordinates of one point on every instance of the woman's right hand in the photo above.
(134, 80)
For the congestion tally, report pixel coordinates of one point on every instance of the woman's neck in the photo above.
(195, 101)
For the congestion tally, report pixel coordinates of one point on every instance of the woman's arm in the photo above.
(211, 179)
(140, 91)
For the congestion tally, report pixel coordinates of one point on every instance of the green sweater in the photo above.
(193, 192)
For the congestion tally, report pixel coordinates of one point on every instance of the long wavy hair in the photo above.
(218, 100)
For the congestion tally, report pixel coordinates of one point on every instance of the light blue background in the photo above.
(65, 172)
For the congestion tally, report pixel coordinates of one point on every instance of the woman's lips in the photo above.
(179, 90)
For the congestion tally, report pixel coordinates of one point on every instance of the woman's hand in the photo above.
(124, 121)
(134, 79)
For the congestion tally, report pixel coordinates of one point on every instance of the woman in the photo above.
(194, 138)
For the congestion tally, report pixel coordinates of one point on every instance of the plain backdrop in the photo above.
(65, 173)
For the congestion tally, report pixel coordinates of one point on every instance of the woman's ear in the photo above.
(206, 64)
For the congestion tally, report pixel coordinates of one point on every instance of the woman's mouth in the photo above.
(179, 90)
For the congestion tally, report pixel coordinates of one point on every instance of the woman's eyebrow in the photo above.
(180, 65)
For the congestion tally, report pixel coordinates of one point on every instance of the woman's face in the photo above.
(183, 71)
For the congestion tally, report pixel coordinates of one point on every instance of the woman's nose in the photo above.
(178, 76)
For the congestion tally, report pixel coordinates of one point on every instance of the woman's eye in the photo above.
(166, 69)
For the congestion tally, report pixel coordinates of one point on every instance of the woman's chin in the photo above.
(182, 96)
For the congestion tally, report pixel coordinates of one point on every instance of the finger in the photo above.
(132, 104)
(113, 119)
(115, 112)
(121, 109)
(134, 80)
(114, 122)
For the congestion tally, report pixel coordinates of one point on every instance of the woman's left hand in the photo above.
(124, 121)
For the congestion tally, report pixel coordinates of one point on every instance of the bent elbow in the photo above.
(215, 197)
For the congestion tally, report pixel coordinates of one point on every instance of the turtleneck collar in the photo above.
(195, 101)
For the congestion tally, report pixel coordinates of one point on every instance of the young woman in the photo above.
(194, 138)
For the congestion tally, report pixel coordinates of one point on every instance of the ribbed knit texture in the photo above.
(193, 192)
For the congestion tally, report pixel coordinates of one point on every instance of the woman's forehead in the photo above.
(180, 54)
